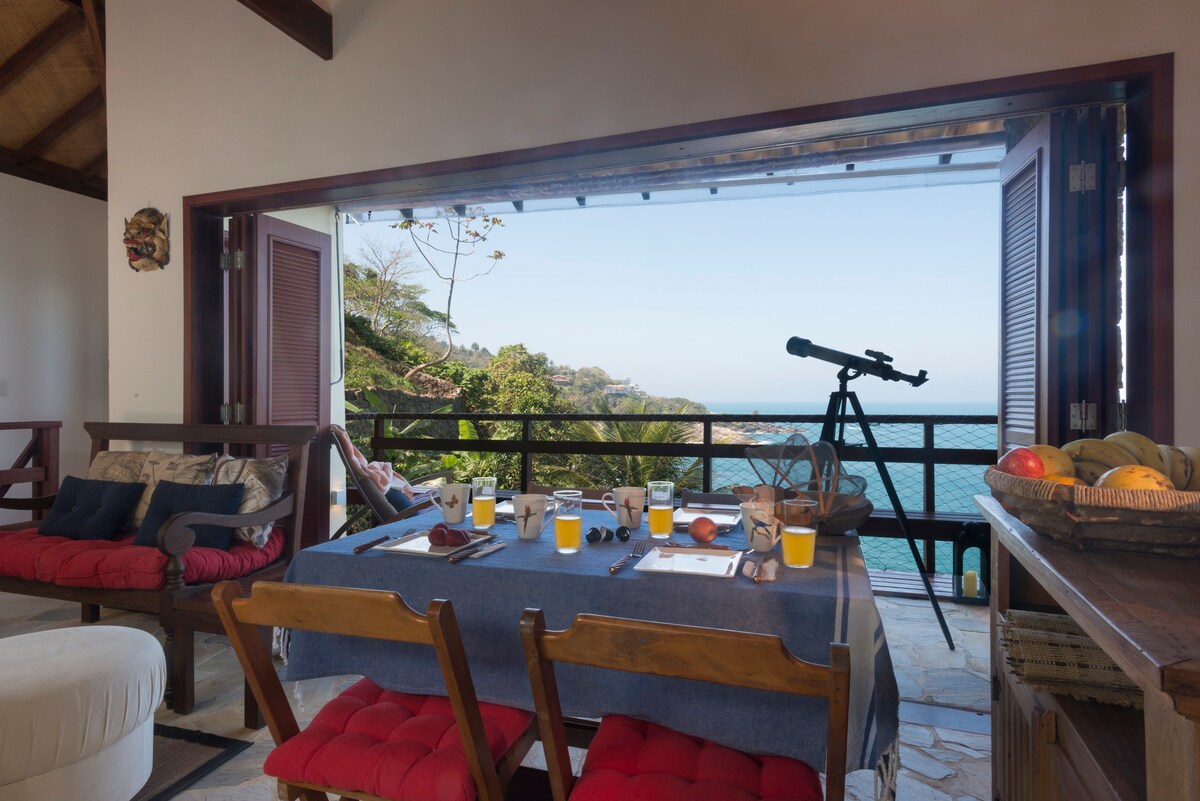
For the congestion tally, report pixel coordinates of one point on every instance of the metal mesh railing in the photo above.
(936, 462)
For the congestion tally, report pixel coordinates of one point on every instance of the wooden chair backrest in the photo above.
(735, 658)
(209, 438)
(374, 614)
(589, 493)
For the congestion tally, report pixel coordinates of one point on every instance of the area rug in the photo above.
(182, 757)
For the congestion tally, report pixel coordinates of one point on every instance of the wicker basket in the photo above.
(1099, 519)
(1050, 653)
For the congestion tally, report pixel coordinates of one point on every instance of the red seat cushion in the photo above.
(633, 760)
(119, 564)
(392, 745)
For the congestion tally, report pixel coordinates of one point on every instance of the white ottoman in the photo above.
(77, 713)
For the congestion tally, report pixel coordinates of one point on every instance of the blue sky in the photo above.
(698, 299)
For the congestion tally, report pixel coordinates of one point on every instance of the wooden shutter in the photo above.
(1060, 278)
(1022, 260)
(291, 347)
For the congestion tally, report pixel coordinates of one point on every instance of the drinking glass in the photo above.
(799, 532)
(568, 521)
(483, 502)
(660, 501)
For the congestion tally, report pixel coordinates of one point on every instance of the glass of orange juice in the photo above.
(799, 534)
(568, 521)
(660, 503)
(483, 502)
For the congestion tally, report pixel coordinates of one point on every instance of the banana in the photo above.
(1097, 450)
(1193, 455)
(1142, 448)
(1090, 471)
(1179, 466)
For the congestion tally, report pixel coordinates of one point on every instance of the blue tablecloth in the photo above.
(809, 609)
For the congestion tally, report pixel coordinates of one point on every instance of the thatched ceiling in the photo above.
(52, 110)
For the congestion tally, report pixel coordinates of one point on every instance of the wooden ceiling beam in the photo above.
(41, 44)
(303, 20)
(65, 122)
(93, 12)
(92, 167)
(56, 175)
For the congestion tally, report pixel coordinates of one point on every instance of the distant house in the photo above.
(561, 380)
(616, 390)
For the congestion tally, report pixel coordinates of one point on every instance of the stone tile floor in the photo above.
(945, 749)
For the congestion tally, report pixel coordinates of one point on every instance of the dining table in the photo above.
(808, 609)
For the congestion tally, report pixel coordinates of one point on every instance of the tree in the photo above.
(444, 244)
(376, 290)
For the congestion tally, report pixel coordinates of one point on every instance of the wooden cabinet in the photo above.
(1144, 612)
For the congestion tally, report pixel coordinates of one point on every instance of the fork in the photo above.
(639, 549)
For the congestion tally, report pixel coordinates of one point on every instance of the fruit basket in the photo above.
(1103, 519)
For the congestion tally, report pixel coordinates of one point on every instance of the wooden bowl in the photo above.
(1101, 519)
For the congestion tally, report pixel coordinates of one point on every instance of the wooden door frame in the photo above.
(1146, 85)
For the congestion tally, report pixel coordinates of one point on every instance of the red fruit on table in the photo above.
(703, 529)
(1022, 462)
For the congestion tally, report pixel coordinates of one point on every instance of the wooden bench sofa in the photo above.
(28, 561)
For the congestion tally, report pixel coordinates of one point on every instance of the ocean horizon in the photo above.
(880, 407)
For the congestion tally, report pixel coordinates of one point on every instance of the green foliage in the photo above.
(475, 384)
(398, 350)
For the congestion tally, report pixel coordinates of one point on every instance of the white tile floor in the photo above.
(945, 752)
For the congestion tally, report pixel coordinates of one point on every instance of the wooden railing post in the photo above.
(928, 468)
(708, 460)
(526, 454)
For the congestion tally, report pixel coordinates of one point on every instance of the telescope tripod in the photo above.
(835, 426)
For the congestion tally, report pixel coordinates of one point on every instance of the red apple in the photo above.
(1022, 462)
(703, 529)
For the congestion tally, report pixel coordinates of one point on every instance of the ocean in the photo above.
(955, 485)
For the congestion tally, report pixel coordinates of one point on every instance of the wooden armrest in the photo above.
(28, 504)
(176, 537)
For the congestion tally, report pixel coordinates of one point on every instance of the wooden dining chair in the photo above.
(625, 750)
(369, 743)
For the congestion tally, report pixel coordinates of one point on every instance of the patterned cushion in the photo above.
(391, 745)
(633, 759)
(121, 565)
(264, 480)
(177, 467)
(123, 466)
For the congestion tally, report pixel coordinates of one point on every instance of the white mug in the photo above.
(529, 512)
(758, 521)
(453, 504)
(627, 505)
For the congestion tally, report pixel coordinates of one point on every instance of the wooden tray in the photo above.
(1099, 519)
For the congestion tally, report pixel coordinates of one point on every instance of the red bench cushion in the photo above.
(119, 564)
(638, 761)
(391, 745)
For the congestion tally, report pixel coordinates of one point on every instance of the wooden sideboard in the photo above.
(1144, 612)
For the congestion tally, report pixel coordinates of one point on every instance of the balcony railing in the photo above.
(935, 461)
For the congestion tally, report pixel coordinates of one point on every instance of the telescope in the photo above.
(875, 363)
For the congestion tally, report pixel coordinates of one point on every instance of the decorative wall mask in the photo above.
(146, 240)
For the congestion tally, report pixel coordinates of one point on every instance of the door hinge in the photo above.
(239, 257)
(226, 261)
(1082, 177)
(1122, 416)
(239, 413)
(225, 413)
(1083, 416)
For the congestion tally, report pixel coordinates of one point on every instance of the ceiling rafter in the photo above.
(93, 12)
(41, 44)
(56, 175)
(303, 20)
(63, 123)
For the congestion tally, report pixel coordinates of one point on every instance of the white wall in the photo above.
(53, 317)
(237, 103)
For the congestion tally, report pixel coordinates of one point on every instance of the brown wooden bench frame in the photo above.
(184, 609)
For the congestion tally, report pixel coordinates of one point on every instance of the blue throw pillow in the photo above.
(170, 498)
(89, 509)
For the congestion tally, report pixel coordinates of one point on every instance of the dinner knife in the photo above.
(495, 546)
(458, 556)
